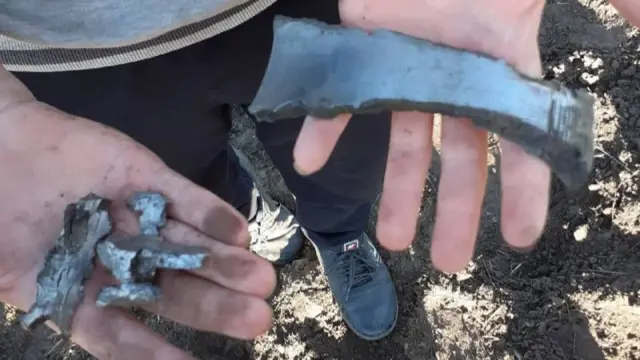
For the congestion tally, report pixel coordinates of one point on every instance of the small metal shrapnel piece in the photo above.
(69, 264)
(128, 295)
(152, 209)
(326, 70)
(134, 262)
(136, 259)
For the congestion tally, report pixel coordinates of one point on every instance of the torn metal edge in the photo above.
(128, 295)
(69, 264)
(319, 69)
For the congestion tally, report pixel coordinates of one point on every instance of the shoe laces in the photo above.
(355, 268)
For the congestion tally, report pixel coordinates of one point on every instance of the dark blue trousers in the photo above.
(177, 106)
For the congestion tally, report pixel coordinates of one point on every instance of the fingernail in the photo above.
(299, 170)
(523, 249)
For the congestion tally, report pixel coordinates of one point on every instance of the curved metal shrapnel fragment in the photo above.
(325, 70)
(69, 264)
(136, 258)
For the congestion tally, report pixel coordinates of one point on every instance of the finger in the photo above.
(525, 179)
(202, 305)
(460, 194)
(629, 9)
(106, 333)
(202, 209)
(407, 166)
(112, 334)
(525, 191)
(316, 141)
(232, 267)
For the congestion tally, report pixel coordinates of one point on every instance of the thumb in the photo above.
(201, 209)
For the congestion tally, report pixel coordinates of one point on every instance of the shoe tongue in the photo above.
(352, 245)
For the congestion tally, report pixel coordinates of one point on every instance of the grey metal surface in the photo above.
(152, 209)
(137, 258)
(325, 70)
(132, 260)
(128, 295)
(69, 264)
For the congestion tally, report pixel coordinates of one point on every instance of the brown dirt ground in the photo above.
(576, 296)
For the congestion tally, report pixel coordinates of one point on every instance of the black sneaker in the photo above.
(275, 232)
(361, 285)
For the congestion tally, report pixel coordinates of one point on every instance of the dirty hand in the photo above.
(49, 159)
(504, 29)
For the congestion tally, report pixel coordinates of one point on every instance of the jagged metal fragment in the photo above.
(136, 259)
(128, 295)
(325, 70)
(152, 208)
(123, 265)
(69, 264)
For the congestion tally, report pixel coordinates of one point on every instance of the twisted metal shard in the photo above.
(325, 70)
(132, 260)
(137, 258)
(123, 265)
(152, 209)
(69, 264)
(128, 295)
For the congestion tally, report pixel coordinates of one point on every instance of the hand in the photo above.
(504, 29)
(49, 159)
